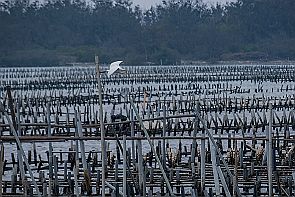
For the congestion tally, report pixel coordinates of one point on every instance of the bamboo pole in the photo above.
(124, 167)
(270, 152)
(102, 134)
(20, 148)
(1, 168)
(50, 149)
(153, 148)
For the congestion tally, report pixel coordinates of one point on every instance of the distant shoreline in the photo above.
(244, 62)
(186, 63)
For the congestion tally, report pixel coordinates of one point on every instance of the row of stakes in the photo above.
(27, 78)
(204, 143)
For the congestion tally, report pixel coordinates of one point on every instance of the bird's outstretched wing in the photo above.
(114, 67)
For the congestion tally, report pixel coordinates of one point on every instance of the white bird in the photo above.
(115, 68)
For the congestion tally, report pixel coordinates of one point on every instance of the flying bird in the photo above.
(116, 68)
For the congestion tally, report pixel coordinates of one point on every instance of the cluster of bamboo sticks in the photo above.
(157, 131)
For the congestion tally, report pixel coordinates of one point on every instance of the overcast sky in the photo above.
(149, 3)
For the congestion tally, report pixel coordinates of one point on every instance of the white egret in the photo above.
(116, 68)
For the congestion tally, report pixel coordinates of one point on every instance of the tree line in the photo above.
(63, 31)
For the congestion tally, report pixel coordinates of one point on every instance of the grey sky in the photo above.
(148, 3)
